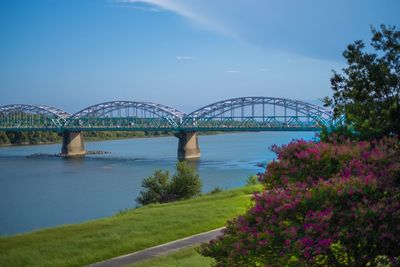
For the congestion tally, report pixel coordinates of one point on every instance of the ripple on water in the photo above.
(45, 191)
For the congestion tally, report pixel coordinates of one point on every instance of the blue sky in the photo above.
(183, 53)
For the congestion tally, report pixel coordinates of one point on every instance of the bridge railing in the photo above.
(257, 123)
(121, 124)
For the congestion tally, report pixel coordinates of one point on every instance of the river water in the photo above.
(38, 192)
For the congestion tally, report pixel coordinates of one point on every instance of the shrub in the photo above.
(346, 215)
(343, 222)
(159, 188)
(216, 190)
(309, 161)
(252, 180)
(186, 182)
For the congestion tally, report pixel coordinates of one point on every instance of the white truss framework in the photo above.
(218, 108)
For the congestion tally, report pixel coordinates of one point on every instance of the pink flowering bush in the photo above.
(309, 161)
(311, 214)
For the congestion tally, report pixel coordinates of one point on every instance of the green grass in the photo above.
(182, 258)
(133, 230)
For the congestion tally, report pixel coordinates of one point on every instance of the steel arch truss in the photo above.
(22, 117)
(257, 114)
(126, 115)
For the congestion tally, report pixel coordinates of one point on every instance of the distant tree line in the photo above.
(36, 137)
(110, 135)
(44, 137)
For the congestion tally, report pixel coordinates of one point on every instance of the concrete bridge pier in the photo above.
(188, 146)
(72, 145)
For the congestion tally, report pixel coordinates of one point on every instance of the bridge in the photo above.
(236, 114)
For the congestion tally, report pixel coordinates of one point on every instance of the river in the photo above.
(39, 192)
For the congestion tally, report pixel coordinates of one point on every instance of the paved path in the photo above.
(159, 250)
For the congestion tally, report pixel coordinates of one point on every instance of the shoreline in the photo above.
(132, 209)
(124, 232)
(106, 139)
(86, 140)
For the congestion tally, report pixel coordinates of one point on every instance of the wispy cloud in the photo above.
(185, 11)
(263, 69)
(184, 58)
(139, 5)
(278, 25)
(232, 71)
(141, 8)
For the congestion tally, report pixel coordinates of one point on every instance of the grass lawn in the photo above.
(182, 258)
(136, 229)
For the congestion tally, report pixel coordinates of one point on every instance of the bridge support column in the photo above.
(188, 146)
(72, 145)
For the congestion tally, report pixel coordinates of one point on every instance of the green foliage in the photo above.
(184, 257)
(37, 137)
(4, 138)
(43, 137)
(111, 135)
(159, 188)
(367, 93)
(380, 261)
(216, 190)
(324, 205)
(130, 231)
(337, 134)
(186, 182)
(252, 180)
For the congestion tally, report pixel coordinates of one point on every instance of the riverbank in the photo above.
(126, 232)
(48, 138)
(88, 136)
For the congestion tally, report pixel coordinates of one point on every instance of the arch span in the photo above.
(31, 117)
(258, 114)
(126, 115)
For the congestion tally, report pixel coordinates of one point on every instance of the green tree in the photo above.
(157, 188)
(186, 182)
(35, 137)
(367, 92)
(18, 137)
(252, 180)
(4, 138)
